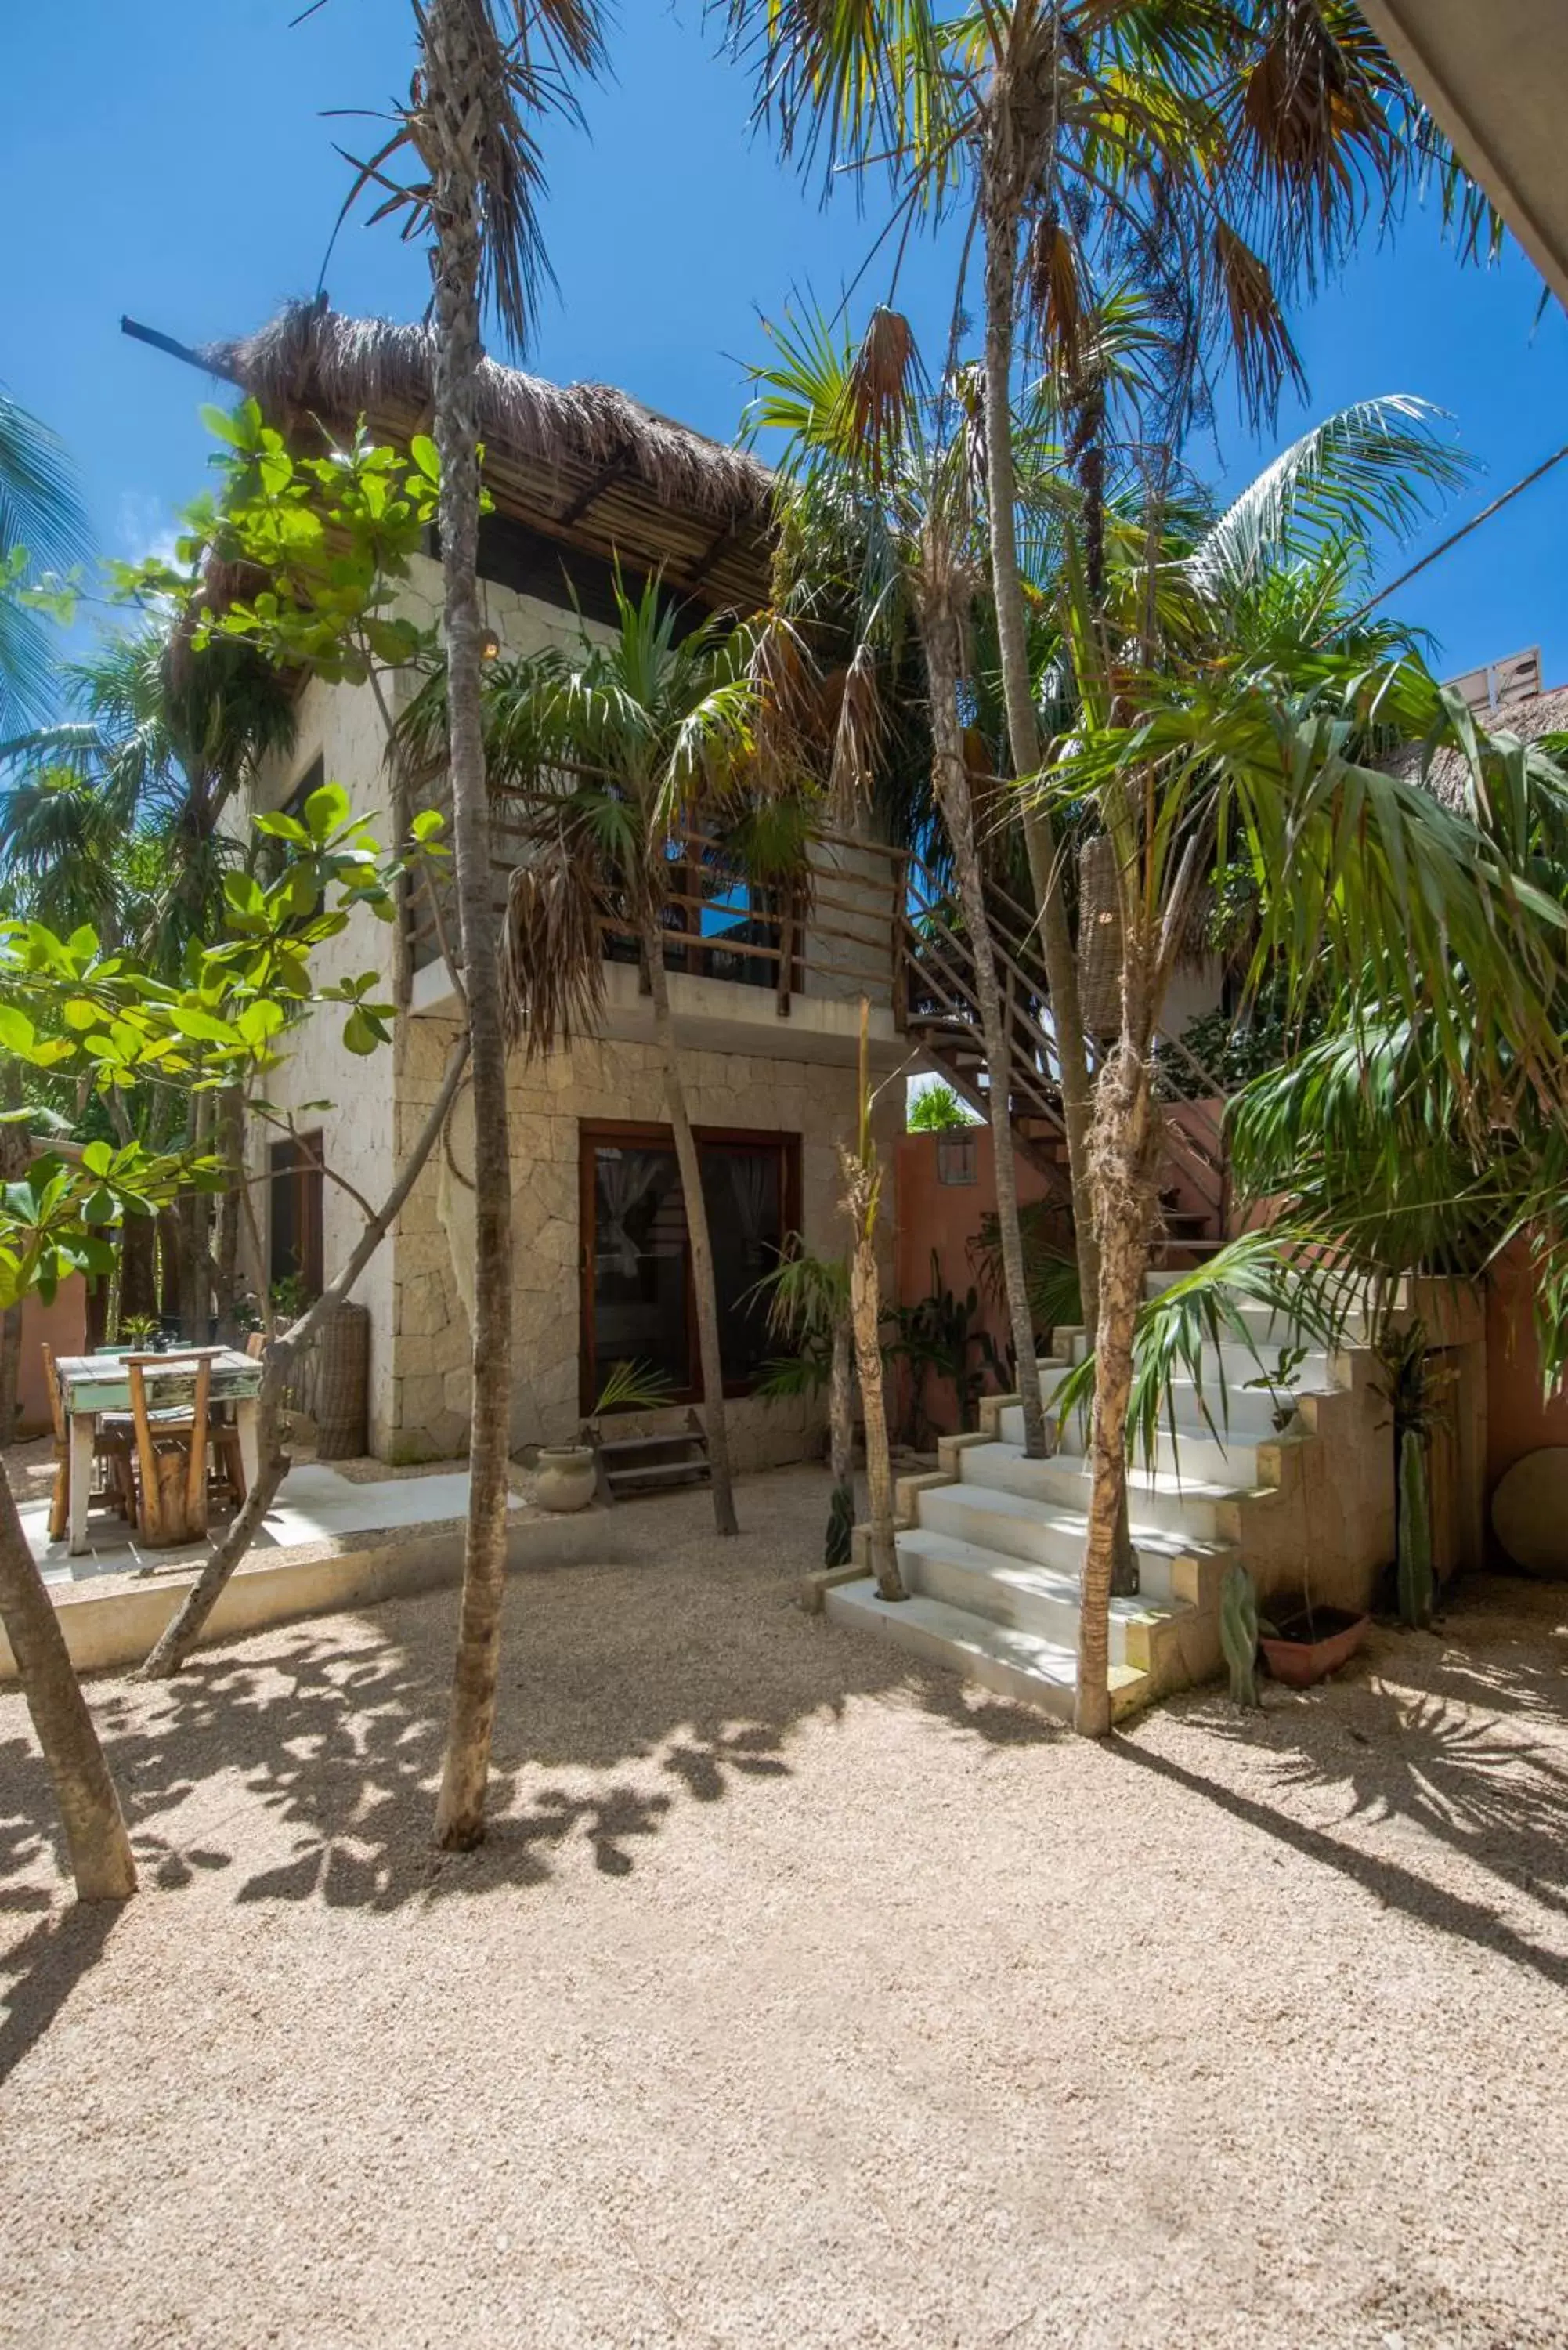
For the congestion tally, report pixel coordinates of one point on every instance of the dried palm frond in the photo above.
(1265, 355)
(879, 391)
(860, 733)
(552, 962)
(1057, 294)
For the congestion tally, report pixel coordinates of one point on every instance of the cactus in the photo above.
(1415, 1578)
(839, 1546)
(1239, 1635)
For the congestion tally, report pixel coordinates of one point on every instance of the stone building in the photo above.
(765, 996)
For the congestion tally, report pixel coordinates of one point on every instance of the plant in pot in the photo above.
(567, 1474)
(1303, 1642)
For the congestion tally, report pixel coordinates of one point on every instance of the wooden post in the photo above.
(786, 957)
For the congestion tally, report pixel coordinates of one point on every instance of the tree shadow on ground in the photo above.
(626, 1692)
(1457, 1743)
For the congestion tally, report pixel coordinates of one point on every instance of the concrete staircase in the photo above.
(991, 1545)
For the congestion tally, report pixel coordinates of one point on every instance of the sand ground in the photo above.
(796, 1998)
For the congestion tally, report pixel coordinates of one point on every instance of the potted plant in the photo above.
(1304, 1643)
(567, 1474)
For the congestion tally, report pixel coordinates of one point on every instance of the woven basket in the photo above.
(331, 1385)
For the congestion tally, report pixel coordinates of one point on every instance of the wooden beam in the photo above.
(602, 481)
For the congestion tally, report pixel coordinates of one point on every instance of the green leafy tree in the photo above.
(70, 1008)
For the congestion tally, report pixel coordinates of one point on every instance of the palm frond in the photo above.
(552, 950)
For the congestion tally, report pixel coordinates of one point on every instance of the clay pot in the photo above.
(565, 1478)
(1315, 1650)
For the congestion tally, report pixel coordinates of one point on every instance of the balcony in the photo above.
(776, 972)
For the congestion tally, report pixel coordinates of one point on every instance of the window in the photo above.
(636, 1261)
(295, 1254)
(311, 780)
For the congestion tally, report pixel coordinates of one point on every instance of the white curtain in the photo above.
(624, 1178)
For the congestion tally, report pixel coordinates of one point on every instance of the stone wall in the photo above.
(610, 1081)
(342, 726)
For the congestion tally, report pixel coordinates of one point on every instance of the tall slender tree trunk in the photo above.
(705, 1294)
(1125, 1166)
(95, 1839)
(841, 1406)
(1002, 231)
(862, 1201)
(453, 113)
(942, 635)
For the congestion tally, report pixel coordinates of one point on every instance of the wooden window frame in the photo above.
(645, 1134)
(305, 1169)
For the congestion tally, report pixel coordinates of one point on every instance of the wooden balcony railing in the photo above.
(834, 932)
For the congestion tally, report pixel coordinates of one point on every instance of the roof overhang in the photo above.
(1494, 75)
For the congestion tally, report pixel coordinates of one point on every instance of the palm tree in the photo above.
(884, 522)
(43, 530)
(489, 72)
(1213, 153)
(1225, 709)
(615, 747)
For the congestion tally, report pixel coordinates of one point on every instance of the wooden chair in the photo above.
(172, 1448)
(111, 1450)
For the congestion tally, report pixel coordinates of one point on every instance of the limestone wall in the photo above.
(341, 725)
(429, 1325)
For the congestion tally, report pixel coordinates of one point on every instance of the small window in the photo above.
(295, 1254)
(311, 780)
(638, 1304)
(956, 1161)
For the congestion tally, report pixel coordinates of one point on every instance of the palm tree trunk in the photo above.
(454, 107)
(704, 1295)
(1125, 1143)
(100, 1855)
(1001, 227)
(943, 648)
(841, 1406)
(864, 1305)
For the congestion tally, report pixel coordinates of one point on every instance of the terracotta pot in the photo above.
(1301, 1662)
(564, 1479)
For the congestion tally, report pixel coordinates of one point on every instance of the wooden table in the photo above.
(92, 1383)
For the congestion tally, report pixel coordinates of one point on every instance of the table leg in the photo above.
(247, 1418)
(82, 1425)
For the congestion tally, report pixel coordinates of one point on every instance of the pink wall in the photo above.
(1518, 1420)
(62, 1325)
(945, 1217)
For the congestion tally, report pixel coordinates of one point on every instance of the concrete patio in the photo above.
(317, 1505)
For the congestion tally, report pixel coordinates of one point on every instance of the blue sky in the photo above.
(190, 181)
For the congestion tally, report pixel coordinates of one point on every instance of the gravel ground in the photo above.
(797, 2000)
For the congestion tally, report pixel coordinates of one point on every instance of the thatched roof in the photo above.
(581, 463)
(1446, 776)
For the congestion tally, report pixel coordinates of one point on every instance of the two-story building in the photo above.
(765, 995)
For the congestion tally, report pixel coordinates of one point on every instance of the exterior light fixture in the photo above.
(489, 646)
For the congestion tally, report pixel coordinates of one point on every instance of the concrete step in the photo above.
(1050, 1490)
(1231, 1460)
(1021, 1665)
(1271, 1328)
(1237, 1360)
(1231, 1410)
(1031, 1598)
